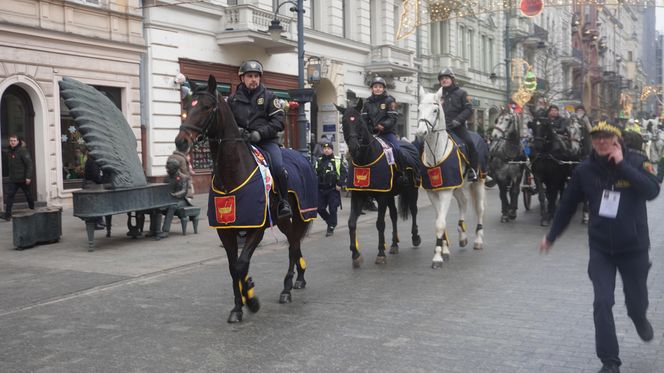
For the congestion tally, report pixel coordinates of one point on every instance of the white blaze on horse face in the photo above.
(430, 114)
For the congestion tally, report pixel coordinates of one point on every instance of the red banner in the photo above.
(435, 177)
(361, 177)
(225, 209)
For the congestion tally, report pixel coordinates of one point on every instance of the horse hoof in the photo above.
(299, 284)
(446, 257)
(437, 265)
(478, 247)
(417, 241)
(380, 259)
(357, 262)
(394, 249)
(463, 243)
(253, 304)
(285, 298)
(235, 317)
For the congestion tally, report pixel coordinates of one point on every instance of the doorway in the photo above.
(17, 117)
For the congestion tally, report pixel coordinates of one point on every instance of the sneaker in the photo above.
(609, 368)
(644, 329)
(330, 231)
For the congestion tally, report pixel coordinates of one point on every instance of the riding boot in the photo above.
(471, 175)
(283, 207)
(402, 180)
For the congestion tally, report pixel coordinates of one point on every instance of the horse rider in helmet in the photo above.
(380, 115)
(259, 115)
(458, 109)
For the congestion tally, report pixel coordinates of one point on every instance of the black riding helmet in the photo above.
(446, 72)
(378, 80)
(250, 66)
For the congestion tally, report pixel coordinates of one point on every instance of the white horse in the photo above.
(438, 145)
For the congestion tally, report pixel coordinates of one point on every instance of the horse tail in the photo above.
(407, 198)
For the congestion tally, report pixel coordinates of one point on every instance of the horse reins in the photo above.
(207, 123)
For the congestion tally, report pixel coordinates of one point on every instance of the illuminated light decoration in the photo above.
(530, 81)
(626, 103)
(651, 90)
(416, 13)
(531, 8)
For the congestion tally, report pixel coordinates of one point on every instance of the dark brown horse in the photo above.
(209, 116)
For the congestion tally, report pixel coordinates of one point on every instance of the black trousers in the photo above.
(464, 134)
(633, 268)
(329, 201)
(11, 193)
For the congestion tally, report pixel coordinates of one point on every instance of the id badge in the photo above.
(390, 156)
(609, 206)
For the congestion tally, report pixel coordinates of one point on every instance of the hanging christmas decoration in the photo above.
(531, 8)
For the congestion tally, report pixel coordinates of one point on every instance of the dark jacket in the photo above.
(381, 109)
(257, 110)
(456, 105)
(628, 231)
(19, 164)
(331, 172)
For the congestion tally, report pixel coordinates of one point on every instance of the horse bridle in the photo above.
(432, 129)
(207, 123)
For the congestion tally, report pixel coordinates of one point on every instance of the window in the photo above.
(485, 54)
(74, 151)
(471, 48)
(462, 41)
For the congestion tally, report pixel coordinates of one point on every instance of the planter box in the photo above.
(32, 227)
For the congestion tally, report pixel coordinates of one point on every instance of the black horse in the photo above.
(366, 149)
(506, 162)
(551, 163)
(210, 116)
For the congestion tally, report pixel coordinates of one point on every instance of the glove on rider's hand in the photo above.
(255, 137)
(245, 134)
(455, 123)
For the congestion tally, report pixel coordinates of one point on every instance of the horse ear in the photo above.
(422, 91)
(439, 93)
(359, 105)
(212, 83)
(341, 109)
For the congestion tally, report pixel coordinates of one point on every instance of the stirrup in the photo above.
(283, 210)
(471, 175)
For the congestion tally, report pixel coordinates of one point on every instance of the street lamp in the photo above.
(493, 77)
(301, 95)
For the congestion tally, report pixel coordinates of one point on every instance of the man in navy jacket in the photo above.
(616, 183)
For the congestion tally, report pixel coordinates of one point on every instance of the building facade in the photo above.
(98, 42)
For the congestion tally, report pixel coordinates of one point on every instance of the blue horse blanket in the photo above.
(302, 182)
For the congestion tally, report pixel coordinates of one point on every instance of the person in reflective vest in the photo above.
(331, 178)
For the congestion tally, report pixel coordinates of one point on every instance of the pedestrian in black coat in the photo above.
(19, 169)
(616, 183)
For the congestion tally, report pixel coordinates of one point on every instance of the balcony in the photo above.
(247, 25)
(537, 34)
(391, 60)
(573, 60)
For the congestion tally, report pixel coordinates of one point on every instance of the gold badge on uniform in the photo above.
(277, 103)
(382, 106)
(260, 101)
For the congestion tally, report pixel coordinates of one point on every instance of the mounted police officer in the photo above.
(616, 183)
(458, 109)
(380, 115)
(259, 115)
(331, 178)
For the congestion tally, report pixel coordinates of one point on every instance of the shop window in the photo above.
(74, 151)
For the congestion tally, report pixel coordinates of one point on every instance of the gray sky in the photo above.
(660, 19)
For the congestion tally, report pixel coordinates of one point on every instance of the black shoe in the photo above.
(490, 182)
(6, 217)
(471, 175)
(644, 328)
(284, 210)
(330, 231)
(609, 368)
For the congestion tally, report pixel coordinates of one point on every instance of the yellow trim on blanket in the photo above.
(370, 164)
(299, 208)
(261, 225)
(238, 187)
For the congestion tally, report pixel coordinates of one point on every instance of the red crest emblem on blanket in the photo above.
(225, 209)
(435, 177)
(361, 177)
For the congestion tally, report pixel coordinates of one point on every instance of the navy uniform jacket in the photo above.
(628, 231)
(381, 109)
(456, 105)
(258, 110)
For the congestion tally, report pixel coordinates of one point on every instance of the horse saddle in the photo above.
(481, 148)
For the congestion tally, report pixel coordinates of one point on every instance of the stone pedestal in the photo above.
(32, 227)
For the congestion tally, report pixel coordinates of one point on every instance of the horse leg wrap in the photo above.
(479, 226)
(439, 242)
(462, 225)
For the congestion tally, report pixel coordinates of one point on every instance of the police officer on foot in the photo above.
(259, 115)
(616, 183)
(380, 115)
(458, 109)
(331, 178)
